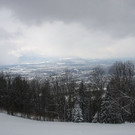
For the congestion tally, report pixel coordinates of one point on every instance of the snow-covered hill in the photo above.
(11, 125)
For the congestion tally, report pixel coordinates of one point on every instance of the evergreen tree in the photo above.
(82, 99)
(77, 113)
(110, 111)
(3, 86)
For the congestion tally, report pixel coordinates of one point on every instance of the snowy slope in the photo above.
(10, 125)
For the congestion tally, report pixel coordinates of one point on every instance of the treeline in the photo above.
(106, 98)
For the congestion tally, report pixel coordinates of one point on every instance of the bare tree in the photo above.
(121, 88)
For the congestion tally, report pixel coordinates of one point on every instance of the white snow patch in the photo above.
(11, 125)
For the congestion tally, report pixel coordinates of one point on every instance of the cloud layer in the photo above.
(88, 28)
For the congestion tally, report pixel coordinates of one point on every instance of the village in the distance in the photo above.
(31, 67)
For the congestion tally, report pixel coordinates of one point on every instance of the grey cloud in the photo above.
(6, 57)
(116, 17)
(4, 34)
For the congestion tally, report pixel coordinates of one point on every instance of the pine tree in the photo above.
(110, 111)
(82, 99)
(77, 113)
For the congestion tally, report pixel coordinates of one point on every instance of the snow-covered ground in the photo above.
(10, 125)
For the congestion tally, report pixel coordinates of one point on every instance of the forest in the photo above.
(109, 97)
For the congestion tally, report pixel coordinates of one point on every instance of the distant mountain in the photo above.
(67, 60)
(30, 67)
(35, 59)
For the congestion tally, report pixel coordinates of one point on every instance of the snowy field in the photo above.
(10, 125)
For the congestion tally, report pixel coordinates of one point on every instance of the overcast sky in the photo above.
(66, 28)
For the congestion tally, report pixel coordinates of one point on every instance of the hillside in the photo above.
(11, 125)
